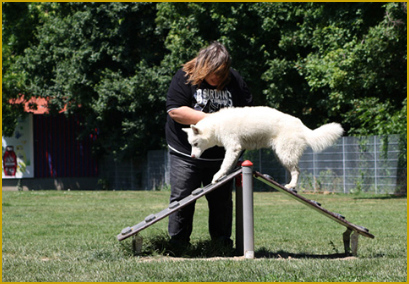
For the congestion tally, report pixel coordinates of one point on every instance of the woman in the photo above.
(204, 85)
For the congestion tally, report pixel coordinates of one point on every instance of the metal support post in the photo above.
(248, 218)
(239, 214)
(354, 243)
(346, 236)
(137, 244)
(351, 242)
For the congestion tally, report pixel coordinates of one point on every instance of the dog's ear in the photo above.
(195, 129)
(187, 130)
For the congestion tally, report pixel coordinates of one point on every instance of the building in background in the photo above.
(46, 153)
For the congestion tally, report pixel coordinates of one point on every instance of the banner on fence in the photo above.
(17, 151)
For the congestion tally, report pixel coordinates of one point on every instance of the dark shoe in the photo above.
(223, 242)
(223, 247)
(178, 247)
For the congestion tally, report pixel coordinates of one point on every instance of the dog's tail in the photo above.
(324, 136)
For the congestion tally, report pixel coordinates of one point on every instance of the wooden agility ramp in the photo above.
(244, 212)
(350, 241)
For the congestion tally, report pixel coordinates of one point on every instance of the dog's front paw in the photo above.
(217, 177)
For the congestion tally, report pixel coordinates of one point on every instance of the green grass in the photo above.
(71, 236)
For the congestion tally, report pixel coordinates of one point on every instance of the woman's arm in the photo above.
(186, 115)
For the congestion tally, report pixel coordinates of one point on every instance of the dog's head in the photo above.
(197, 138)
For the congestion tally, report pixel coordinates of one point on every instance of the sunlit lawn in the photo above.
(71, 236)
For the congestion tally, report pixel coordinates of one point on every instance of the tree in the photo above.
(350, 54)
(100, 60)
(113, 62)
(18, 25)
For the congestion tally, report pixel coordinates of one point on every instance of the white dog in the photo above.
(250, 128)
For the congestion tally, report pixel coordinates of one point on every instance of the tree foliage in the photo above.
(19, 22)
(102, 61)
(113, 62)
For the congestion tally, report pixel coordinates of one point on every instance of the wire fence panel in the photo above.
(355, 164)
(158, 169)
(372, 164)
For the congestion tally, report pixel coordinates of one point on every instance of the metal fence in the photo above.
(355, 164)
(151, 173)
(373, 164)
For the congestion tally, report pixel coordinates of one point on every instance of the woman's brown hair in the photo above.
(213, 59)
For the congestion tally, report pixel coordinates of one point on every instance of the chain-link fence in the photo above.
(375, 164)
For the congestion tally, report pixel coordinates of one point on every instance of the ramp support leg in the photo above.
(351, 242)
(354, 243)
(248, 218)
(137, 244)
(239, 215)
(347, 241)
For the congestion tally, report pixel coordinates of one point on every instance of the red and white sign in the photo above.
(18, 151)
(10, 162)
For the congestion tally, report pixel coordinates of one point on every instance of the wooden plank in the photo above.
(314, 205)
(174, 206)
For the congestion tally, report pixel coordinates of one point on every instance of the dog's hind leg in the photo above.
(289, 152)
(230, 159)
(295, 172)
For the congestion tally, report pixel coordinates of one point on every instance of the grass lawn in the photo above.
(71, 236)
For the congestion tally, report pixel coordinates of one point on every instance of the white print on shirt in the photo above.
(211, 100)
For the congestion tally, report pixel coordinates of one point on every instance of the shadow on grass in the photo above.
(160, 246)
(385, 196)
(264, 253)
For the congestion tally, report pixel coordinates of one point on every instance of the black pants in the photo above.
(187, 175)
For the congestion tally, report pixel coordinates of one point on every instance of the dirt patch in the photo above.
(235, 258)
(175, 259)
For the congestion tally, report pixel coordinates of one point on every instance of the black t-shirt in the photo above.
(204, 98)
